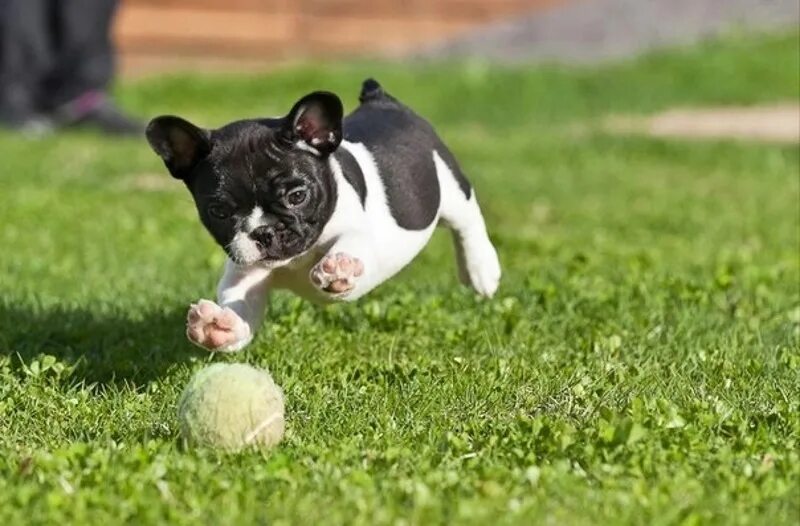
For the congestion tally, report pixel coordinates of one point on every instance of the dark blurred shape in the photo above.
(56, 63)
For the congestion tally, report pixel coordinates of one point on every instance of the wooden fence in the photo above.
(164, 34)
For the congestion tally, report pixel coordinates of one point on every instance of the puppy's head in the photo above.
(263, 188)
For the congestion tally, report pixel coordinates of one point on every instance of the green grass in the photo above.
(639, 364)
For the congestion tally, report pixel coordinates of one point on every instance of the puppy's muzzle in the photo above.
(264, 236)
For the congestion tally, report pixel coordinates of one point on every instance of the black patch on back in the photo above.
(402, 144)
(352, 172)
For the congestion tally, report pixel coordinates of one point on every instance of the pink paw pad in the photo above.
(213, 327)
(336, 273)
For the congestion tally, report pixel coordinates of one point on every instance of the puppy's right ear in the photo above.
(179, 143)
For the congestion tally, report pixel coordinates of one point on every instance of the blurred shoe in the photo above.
(95, 109)
(37, 126)
(17, 114)
(29, 125)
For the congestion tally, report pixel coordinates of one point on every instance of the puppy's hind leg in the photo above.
(476, 257)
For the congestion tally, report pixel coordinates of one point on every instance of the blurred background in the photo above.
(158, 35)
(58, 59)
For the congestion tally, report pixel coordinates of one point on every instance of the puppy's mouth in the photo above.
(267, 262)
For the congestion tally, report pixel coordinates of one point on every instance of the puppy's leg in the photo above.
(229, 325)
(348, 270)
(476, 257)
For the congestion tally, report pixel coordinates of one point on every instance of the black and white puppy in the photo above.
(324, 206)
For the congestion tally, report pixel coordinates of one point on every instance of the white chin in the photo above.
(244, 250)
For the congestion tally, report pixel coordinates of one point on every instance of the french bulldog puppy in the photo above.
(325, 206)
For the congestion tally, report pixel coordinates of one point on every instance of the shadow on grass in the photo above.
(99, 347)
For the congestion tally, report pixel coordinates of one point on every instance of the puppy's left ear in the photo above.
(316, 123)
(179, 143)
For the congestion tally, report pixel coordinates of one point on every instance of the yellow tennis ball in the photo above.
(231, 407)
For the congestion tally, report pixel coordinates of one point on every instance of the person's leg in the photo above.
(76, 89)
(85, 53)
(25, 59)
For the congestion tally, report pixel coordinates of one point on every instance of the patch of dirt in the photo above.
(775, 123)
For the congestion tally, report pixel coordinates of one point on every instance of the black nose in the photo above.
(264, 236)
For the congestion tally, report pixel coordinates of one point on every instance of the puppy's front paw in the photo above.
(215, 328)
(337, 273)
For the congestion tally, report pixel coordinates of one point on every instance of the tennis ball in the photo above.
(231, 407)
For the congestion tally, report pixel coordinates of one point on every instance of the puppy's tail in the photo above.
(372, 91)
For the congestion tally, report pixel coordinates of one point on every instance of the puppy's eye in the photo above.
(297, 196)
(219, 211)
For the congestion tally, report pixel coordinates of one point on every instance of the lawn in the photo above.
(639, 365)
